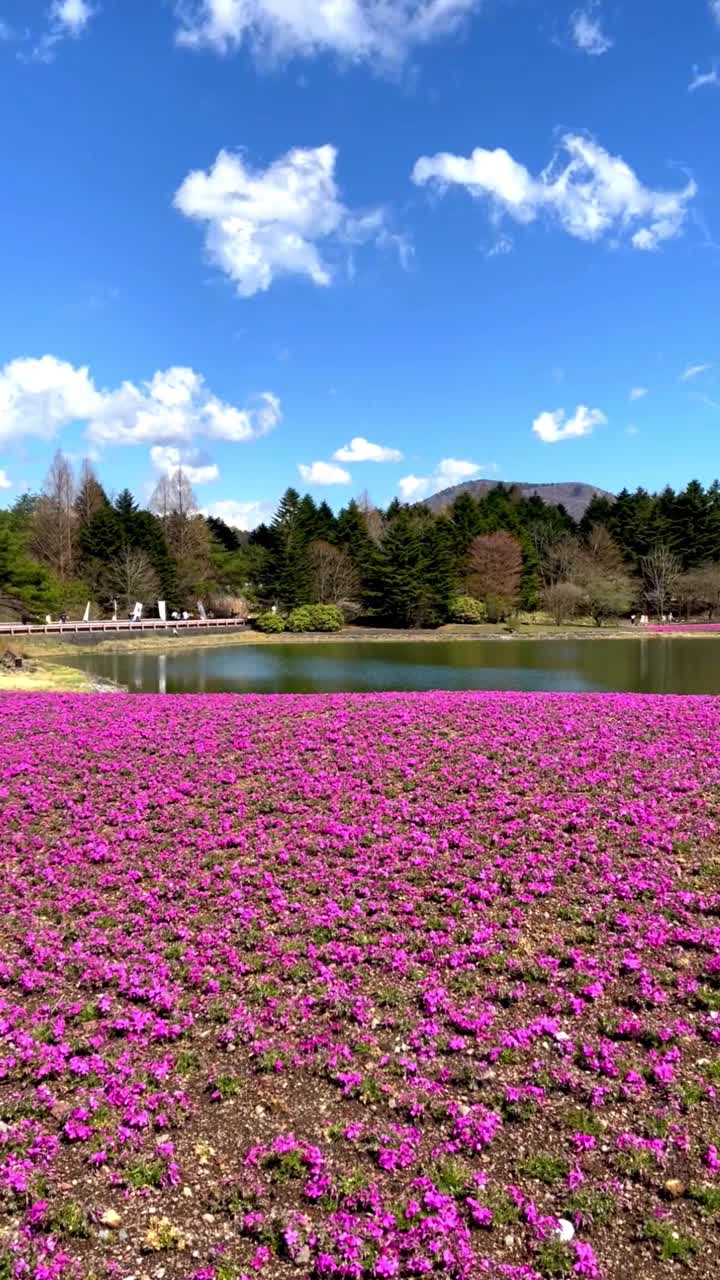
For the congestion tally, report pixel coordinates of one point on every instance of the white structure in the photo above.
(86, 615)
(162, 610)
(137, 612)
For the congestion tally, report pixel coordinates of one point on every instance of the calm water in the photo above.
(657, 665)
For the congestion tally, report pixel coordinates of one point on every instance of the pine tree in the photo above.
(101, 538)
(287, 576)
(352, 535)
(396, 589)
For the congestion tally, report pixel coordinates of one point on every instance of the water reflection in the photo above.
(647, 665)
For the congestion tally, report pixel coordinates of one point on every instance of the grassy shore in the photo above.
(152, 642)
(51, 677)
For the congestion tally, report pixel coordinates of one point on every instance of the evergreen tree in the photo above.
(395, 586)
(223, 534)
(101, 538)
(287, 575)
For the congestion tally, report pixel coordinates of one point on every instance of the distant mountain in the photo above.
(574, 497)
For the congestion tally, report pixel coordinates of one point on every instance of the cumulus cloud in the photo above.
(240, 515)
(448, 472)
(168, 459)
(413, 488)
(380, 31)
(5, 481)
(590, 195)
(638, 393)
(587, 31)
(323, 473)
(265, 223)
(38, 397)
(694, 371)
(361, 450)
(556, 426)
(700, 79)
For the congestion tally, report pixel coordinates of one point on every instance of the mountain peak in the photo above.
(574, 495)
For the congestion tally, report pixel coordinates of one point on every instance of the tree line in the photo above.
(482, 558)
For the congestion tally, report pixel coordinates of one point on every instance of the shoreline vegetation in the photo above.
(48, 674)
(52, 677)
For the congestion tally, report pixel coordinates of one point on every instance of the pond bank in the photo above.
(166, 643)
(51, 677)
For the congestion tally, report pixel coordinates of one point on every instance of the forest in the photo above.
(482, 559)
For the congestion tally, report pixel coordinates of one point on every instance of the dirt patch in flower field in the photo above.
(350, 986)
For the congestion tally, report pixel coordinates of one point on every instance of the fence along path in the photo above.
(122, 625)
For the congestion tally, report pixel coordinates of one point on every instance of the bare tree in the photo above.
(54, 519)
(661, 571)
(699, 589)
(609, 593)
(563, 600)
(132, 578)
(494, 570)
(562, 559)
(90, 496)
(334, 577)
(186, 531)
(173, 495)
(374, 522)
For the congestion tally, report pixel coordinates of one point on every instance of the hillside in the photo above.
(575, 497)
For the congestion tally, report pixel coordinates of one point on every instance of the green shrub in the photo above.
(315, 617)
(467, 609)
(269, 623)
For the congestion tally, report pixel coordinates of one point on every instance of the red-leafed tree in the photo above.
(494, 571)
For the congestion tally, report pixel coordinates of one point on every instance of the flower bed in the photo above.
(357, 986)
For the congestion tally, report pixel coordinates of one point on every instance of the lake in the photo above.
(650, 665)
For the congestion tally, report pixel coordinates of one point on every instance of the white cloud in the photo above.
(500, 248)
(240, 515)
(587, 32)
(715, 9)
(638, 393)
(5, 481)
(448, 472)
(702, 78)
(593, 195)
(72, 15)
(694, 371)
(413, 488)
(453, 470)
(323, 473)
(361, 450)
(265, 223)
(167, 459)
(66, 18)
(381, 31)
(556, 426)
(38, 397)
(6, 31)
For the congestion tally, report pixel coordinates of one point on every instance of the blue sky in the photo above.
(239, 234)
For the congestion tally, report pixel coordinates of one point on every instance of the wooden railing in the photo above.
(122, 625)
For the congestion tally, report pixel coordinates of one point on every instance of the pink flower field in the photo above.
(359, 986)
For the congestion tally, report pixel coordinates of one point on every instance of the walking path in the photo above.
(121, 626)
